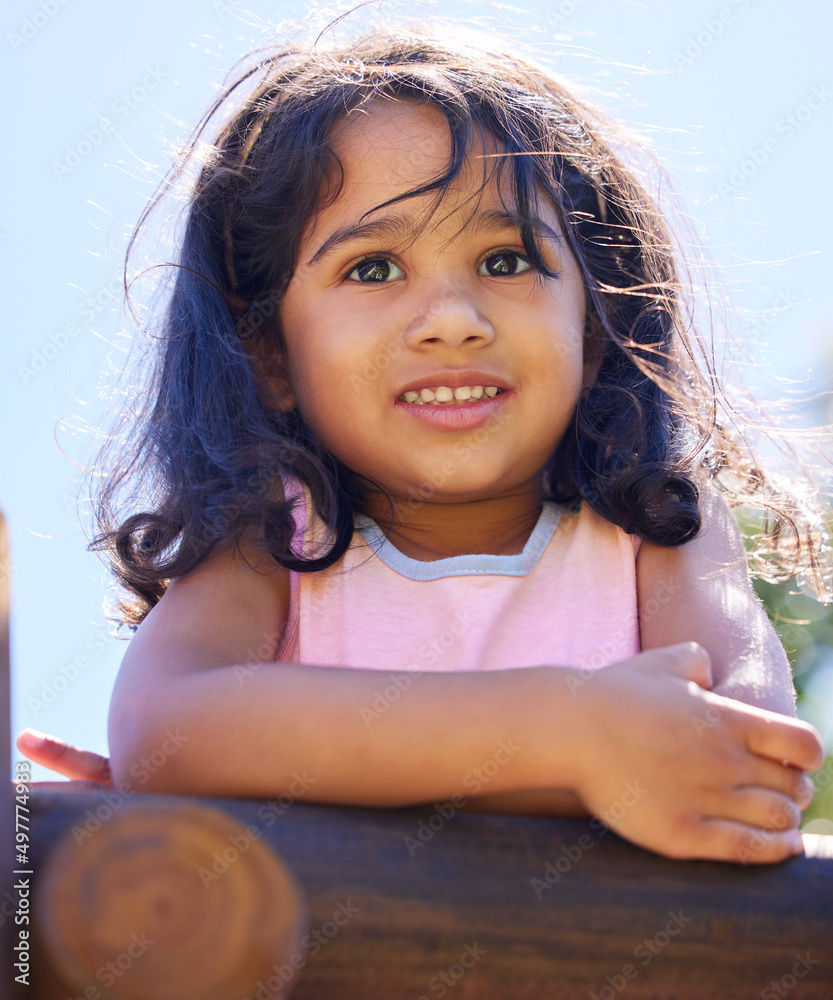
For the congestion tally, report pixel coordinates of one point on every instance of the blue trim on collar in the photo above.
(466, 565)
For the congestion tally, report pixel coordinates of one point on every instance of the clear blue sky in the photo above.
(736, 95)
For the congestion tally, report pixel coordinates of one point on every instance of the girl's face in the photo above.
(370, 328)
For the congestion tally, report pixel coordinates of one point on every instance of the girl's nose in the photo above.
(451, 318)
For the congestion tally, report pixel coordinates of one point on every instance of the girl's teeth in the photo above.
(443, 394)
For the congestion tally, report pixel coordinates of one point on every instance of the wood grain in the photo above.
(412, 904)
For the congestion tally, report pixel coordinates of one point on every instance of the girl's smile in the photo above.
(455, 400)
(435, 362)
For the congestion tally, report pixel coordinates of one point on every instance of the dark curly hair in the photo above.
(210, 445)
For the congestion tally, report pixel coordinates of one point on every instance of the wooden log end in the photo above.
(169, 900)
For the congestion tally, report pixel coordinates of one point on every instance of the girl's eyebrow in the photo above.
(397, 226)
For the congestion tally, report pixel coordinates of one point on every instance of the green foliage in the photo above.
(806, 630)
(821, 807)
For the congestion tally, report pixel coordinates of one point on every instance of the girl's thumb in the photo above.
(687, 660)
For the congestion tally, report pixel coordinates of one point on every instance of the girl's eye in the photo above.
(379, 270)
(375, 270)
(503, 262)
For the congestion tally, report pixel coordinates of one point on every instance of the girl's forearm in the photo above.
(340, 735)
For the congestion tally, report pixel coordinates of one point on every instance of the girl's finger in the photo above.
(726, 840)
(72, 762)
(785, 740)
(781, 778)
(761, 808)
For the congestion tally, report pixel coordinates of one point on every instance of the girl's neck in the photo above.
(429, 530)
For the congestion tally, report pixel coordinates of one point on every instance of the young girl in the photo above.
(427, 406)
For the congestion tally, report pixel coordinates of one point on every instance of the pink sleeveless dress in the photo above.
(569, 599)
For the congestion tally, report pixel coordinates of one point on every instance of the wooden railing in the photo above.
(142, 897)
(167, 898)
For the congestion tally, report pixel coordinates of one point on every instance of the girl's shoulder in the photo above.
(222, 621)
(712, 563)
(230, 609)
(585, 526)
(718, 544)
(701, 592)
(228, 612)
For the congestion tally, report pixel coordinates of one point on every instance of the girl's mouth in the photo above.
(443, 395)
(464, 408)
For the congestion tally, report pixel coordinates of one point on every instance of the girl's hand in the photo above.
(72, 762)
(687, 773)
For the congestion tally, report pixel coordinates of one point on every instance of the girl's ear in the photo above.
(270, 372)
(267, 360)
(277, 393)
(595, 348)
(265, 354)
